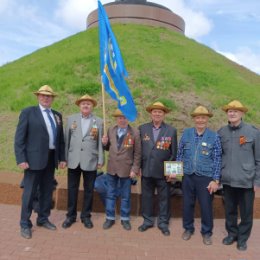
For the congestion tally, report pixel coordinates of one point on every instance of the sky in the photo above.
(230, 27)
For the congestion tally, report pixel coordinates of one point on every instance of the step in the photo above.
(10, 193)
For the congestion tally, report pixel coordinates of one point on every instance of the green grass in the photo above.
(162, 65)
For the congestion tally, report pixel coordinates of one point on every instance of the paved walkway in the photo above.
(78, 243)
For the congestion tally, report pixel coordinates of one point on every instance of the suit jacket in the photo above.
(32, 139)
(126, 159)
(86, 151)
(154, 153)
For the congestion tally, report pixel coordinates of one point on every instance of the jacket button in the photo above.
(81, 149)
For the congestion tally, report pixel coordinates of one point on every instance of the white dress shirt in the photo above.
(48, 125)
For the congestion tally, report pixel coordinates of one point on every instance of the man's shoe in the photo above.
(47, 225)
(87, 222)
(228, 240)
(207, 240)
(165, 231)
(108, 223)
(26, 233)
(241, 246)
(144, 227)
(126, 224)
(187, 235)
(68, 222)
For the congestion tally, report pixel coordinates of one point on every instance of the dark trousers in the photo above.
(163, 191)
(32, 179)
(73, 189)
(244, 200)
(193, 187)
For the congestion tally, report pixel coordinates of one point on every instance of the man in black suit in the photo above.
(159, 144)
(39, 149)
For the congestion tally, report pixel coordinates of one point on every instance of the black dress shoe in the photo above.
(87, 222)
(165, 231)
(108, 223)
(26, 233)
(68, 222)
(47, 225)
(126, 224)
(228, 240)
(241, 246)
(144, 227)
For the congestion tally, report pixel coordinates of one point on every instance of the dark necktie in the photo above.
(53, 127)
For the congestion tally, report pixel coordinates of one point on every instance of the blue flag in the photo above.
(112, 67)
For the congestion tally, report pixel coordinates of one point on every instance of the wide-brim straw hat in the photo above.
(86, 98)
(45, 90)
(158, 105)
(118, 113)
(235, 105)
(201, 111)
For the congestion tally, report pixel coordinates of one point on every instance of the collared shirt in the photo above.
(121, 131)
(85, 123)
(48, 125)
(217, 152)
(156, 132)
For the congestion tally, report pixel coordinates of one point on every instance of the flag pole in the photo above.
(104, 108)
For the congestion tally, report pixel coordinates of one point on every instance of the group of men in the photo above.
(230, 156)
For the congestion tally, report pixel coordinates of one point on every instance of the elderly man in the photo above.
(200, 151)
(124, 146)
(39, 148)
(159, 144)
(240, 173)
(84, 153)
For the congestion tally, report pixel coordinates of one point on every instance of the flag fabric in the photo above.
(112, 67)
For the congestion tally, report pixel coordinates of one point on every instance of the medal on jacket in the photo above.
(74, 125)
(57, 119)
(164, 143)
(94, 130)
(146, 137)
(129, 141)
(242, 139)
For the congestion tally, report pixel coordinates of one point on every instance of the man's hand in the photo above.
(62, 165)
(212, 187)
(99, 166)
(171, 177)
(24, 165)
(104, 139)
(132, 175)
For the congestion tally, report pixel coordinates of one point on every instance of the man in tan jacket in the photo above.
(124, 146)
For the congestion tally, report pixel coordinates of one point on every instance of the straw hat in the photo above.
(158, 105)
(85, 98)
(235, 105)
(45, 90)
(117, 113)
(201, 111)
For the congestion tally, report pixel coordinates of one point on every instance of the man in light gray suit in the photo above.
(84, 154)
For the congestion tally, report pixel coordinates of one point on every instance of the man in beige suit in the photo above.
(124, 146)
(84, 154)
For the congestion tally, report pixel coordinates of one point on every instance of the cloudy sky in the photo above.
(230, 27)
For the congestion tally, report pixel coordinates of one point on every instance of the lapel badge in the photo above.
(94, 130)
(129, 141)
(57, 118)
(74, 125)
(146, 137)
